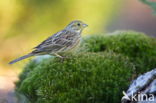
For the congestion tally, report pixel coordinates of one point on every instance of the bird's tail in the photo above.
(21, 58)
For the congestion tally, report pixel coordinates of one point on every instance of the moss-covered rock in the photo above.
(98, 74)
(81, 78)
(140, 48)
(28, 68)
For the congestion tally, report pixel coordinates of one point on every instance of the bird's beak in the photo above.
(85, 25)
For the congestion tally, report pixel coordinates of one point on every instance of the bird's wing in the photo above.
(56, 43)
(47, 41)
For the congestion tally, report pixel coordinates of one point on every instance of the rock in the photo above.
(142, 90)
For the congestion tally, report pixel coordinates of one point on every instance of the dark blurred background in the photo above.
(25, 23)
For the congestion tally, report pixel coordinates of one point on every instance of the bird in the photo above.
(62, 41)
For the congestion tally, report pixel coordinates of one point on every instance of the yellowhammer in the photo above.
(62, 41)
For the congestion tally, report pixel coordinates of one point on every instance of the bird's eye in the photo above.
(78, 24)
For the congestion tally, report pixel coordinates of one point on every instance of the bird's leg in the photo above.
(61, 57)
(57, 55)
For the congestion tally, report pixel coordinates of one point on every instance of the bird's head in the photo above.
(76, 25)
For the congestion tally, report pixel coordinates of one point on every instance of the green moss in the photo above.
(141, 49)
(28, 68)
(98, 74)
(81, 78)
